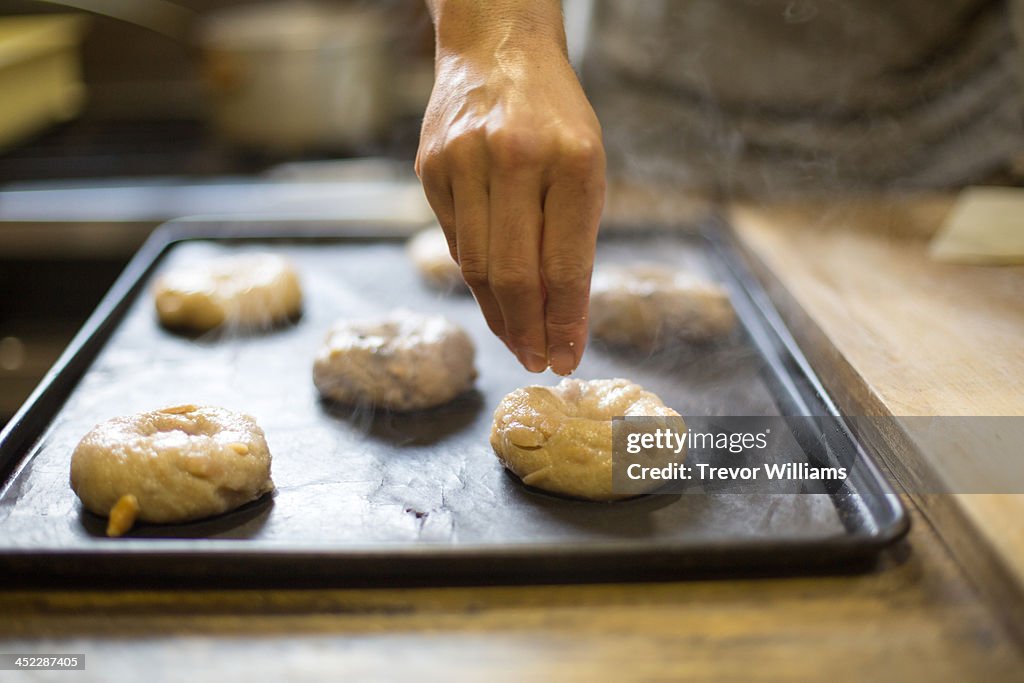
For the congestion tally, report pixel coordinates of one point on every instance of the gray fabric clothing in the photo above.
(767, 97)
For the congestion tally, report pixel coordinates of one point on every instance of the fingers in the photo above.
(520, 208)
(514, 261)
(437, 188)
(572, 211)
(471, 229)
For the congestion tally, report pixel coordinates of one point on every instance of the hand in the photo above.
(511, 162)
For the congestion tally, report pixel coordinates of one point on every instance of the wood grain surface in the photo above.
(913, 618)
(894, 333)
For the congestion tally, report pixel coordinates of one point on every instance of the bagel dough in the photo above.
(403, 361)
(559, 439)
(248, 290)
(428, 250)
(649, 306)
(176, 464)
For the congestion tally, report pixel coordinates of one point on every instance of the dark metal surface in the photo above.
(367, 498)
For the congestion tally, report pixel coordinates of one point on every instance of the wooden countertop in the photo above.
(892, 332)
(917, 616)
(914, 618)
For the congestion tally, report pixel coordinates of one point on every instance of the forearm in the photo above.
(493, 27)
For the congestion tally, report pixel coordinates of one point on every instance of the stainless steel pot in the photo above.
(294, 76)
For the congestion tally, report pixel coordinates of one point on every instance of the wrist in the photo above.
(486, 30)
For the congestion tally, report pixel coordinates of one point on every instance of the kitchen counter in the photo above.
(924, 612)
(893, 333)
(914, 617)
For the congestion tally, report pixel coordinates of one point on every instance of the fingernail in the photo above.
(533, 362)
(563, 359)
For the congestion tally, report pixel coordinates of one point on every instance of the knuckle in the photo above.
(512, 277)
(518, 339)
(566, 322)
(462, 145)
(581, 154)
(474, 272)
(524, 333)
(449, 237)
(564, 327)
(566, 273)
(514, 148)
(429, 165)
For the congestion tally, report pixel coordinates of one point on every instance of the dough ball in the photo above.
(428, 250)
(177, 464)
(559, 439)
(250, 291)
(650, 306)
(403, 361)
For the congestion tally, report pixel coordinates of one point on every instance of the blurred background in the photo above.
(163, 88)
(116, 115)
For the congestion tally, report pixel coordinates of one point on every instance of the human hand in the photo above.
(512, 163)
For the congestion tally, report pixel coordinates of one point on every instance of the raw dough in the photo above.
(559, 439)
(403, 361)
(171, 465)
(428, 250)
(650, 306)
(250, 291)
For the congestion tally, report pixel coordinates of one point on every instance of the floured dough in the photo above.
(402, 361)
(559, 438)
(428, 250)
(171, 465)
(250, 291)
(650, 306)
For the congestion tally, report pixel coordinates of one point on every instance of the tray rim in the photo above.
(44, 404)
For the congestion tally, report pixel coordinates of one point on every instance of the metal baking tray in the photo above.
(368, 498)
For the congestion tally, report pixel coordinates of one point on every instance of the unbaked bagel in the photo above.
(402, 361)
(650, 306)
(249, 291)
(559, 439)
(428, 251)
(176, 464)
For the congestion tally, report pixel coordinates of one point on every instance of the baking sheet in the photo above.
(354, 483)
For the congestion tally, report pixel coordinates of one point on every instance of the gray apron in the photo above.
(776, 97)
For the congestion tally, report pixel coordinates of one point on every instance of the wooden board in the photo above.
(914, 618)
(892, 332)
(986, 227)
